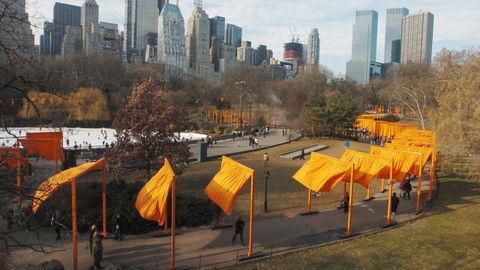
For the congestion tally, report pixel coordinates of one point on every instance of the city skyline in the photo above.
(263, 25)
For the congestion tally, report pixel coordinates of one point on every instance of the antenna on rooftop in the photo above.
(198, 3)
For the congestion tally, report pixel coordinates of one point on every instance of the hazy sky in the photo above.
(269, 22)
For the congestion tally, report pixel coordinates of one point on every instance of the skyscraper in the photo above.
(128, 44)
(63, 15)
(261, 54)
(233, 35)
(90, 27)
(46, 39)
(217, 27)
(313, 57)
(15, 31)
(217, 40)
(111, 41)
(145, 20)
(364, 46)
(393, 30)
(171, 39)
(72, 40)
(417, 38)
(197, 43)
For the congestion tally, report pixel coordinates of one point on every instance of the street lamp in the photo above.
(241, 85)
(266, 174)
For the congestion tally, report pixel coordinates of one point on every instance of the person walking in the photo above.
(265, 160)
(395, 203)
(345, 202)
(97, 250)
(118, 229)
(302, 154)
(93, 230)
(407, 189)
(239, 224)
(55, 223)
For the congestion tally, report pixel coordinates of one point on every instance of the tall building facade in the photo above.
(90, 27)
(46, 39)
(17, 35)
(417, 38)
(217, 40)
(197, 43)
(217, 27)
(364, 46)
(72, 40)
(111, 40)
(313, 57)
(145, 20)
(393, 31)
(63, 15)
(128, 44)
(233, 35)
(171, 39)
(261, 55)
(247, 54)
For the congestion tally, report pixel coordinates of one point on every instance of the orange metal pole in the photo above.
(309, 207)
(344, 188)
(19, 177)
(165, 228)
(369, 190)
(104, 199)
(173, 223)
(432, 175)
(74, 222)
(383, 185)
(419, 185)
(350, 204)
(252, 197)
(390, 191)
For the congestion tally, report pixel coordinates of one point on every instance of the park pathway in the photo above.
(205, 248)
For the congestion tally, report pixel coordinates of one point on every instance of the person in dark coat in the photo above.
(407, 189)
(302, 154)
(395, 203)
(118, 228)
(239, 224)
(97, 250)
(93, 230)
(345, 202)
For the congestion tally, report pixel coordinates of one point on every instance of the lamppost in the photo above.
(241, 85)
(266, 174)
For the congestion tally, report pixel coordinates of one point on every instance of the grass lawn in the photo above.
(448, 237)
(285, 195)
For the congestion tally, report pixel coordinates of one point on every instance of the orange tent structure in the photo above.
(51, 185)
(48, 145)
(151, 201)
(227, 184)
(321, 174)
(12, 158)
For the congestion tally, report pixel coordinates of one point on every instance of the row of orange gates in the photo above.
(408, 153)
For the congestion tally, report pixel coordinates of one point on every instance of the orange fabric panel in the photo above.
(227, 184)
(52, 184)
(366, 166)
(57, 137)
(152, 198)
(322, 173)
(10, 156)
(425, 152)
(368, 124)
(403, 162)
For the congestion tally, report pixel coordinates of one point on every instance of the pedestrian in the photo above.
(239, 224)
(257, 142)
(395, 202)
(346, 143)
(93, 230)
(55, 223)
(345, 202)
(302, 154)
(97, 249)
(118, 228)
(408, 189)
(265, 160)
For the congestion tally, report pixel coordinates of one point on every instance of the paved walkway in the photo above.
(240, 145)
(206, 248)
